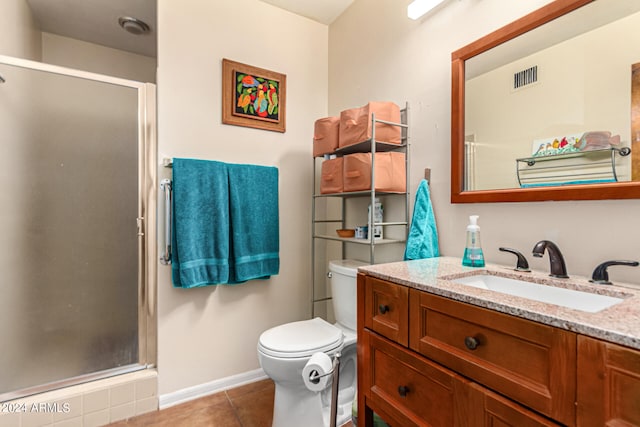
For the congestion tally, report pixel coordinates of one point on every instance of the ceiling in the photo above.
(323, 11)
(96, 21)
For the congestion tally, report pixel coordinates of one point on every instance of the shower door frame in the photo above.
(146, 223)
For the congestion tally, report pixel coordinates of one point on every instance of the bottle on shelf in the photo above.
(378, 213)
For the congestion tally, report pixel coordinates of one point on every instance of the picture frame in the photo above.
(253, 97)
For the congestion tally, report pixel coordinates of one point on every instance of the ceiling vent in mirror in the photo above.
(525, 77)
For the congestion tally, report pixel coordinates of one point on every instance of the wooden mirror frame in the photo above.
(615, 190)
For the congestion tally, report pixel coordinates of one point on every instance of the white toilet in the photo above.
(284, 351)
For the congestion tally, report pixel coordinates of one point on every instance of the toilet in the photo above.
(284, 350)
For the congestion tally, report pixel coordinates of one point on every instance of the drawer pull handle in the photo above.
(471, 343)
(383, 308)
(403, 390)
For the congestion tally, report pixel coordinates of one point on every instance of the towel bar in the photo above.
(165, 185)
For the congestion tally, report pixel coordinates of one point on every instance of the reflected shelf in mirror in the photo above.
(583, 167)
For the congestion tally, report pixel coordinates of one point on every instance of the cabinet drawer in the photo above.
(533, 364)
(410, 390)
(387, 309)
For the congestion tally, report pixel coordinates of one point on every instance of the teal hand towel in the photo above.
(255, 231)
(423, 234)
(200, 238)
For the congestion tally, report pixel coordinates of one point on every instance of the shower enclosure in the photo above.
(77, 226)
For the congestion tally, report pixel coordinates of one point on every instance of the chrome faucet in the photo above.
(558, 267)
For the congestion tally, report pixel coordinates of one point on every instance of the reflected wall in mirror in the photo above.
(547, 107)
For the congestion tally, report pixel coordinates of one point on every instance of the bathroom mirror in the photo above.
(548, 107)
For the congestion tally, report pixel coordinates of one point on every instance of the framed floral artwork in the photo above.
(253, 97)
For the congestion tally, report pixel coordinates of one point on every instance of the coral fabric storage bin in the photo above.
(331, 176)
(325, 136)
(390, 173)
(355, 124)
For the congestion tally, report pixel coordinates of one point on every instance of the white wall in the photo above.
(19, 36)
(211, 333)
(377, 53)
(80, 55)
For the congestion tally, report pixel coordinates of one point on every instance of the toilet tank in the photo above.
(343, 275)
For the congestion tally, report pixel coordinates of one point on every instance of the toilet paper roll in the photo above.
(317, 372)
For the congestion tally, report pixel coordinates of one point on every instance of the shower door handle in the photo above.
(165, 185)
(140, 226)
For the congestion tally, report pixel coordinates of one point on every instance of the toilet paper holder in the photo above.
(334, 372)
(316, 376)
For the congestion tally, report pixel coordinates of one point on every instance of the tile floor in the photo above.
(247, 406)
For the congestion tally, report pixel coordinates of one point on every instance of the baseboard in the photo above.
(205, 389)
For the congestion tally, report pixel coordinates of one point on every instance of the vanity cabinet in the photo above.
(426, 360)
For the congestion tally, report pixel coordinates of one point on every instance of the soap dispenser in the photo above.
(473, 256)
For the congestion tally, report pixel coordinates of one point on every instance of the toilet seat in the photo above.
(300, 339)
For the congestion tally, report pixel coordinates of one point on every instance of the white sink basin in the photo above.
(570, 298)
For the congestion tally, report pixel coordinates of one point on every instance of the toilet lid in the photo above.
(300, 339)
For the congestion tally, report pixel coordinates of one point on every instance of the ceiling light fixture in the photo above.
(419, 7)
(133, 25)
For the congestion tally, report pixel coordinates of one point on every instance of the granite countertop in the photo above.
(618, 324)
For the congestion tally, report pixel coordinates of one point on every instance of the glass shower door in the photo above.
(70, 209)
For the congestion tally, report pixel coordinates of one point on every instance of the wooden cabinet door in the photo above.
(386, 308)
(528, 362)
(408, 390)
(492, 410)
(608, 384)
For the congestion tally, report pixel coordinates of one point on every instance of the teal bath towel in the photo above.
(423, 235)
(255, 232)
(200, 239)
